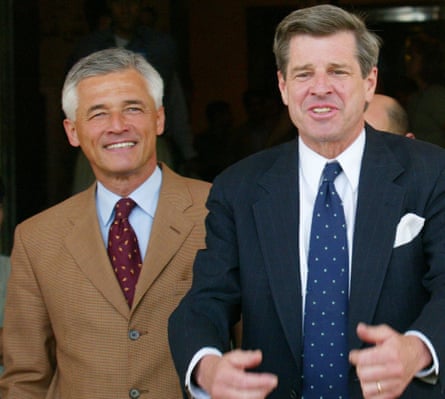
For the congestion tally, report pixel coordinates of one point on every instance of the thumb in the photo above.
(374, 334)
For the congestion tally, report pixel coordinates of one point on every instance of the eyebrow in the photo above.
(134, 102)
(310, 66)
(103, 106)
(95, 108)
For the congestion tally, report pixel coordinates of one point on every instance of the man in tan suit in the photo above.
(69, 331)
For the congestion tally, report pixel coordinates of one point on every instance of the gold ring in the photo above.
(379, 387)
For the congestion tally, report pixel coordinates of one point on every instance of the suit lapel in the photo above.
(87, 248)
(379, 210)
(170, 229)
(276, 218)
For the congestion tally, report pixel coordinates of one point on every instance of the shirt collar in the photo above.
(312, 163)
(146, 196)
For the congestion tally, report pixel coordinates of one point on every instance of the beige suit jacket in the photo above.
(68, 331)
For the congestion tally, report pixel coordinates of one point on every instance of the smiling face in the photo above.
(325, 91)
(116, 126)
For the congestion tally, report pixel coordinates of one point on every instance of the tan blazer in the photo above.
(68, 331)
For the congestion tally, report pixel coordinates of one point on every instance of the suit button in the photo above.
(134, 393)
(134, 335)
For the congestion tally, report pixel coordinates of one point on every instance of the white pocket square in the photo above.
(408, 228)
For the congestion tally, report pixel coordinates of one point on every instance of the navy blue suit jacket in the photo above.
(251, 264)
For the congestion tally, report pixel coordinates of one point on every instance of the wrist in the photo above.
(202, 375)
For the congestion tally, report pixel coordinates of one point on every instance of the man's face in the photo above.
(325, 91)
(116, 126)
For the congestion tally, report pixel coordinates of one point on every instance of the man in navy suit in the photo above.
(258, 229)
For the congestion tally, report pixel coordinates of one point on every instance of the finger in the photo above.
(376, 355)
(261, 382)
(245, 359)
(374, 334)
(236, 393)
(374, 389)
(233, 382)
(380, 389)
(370, 372)
(249, 359)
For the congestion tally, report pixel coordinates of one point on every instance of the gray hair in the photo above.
(325, 20)
(104, 62)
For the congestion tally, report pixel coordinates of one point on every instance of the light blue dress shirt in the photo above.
(141, 217)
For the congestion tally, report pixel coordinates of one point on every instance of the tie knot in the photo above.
(331, 171)
(123, 208)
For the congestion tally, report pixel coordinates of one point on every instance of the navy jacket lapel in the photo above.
(378, 212)
(276, 217)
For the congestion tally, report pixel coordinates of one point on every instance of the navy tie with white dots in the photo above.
(325, 355)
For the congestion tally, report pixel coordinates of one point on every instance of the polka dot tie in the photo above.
(325, 354)
(123, 249)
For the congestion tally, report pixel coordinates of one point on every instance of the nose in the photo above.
(321, 85)
(117, 123)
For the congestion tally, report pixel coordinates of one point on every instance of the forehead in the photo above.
(337, 48)
(113, 84)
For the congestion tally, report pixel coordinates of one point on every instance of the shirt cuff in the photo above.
(431, 374)
(195, 391)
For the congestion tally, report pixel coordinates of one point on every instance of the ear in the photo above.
(283, 87)
(71, 132)
(160, 121)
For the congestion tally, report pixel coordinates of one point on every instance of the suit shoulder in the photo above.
(198, 189)
(415, 151)
(175, 183)
(56, 215)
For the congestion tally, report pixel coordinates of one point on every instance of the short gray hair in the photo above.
(104, 62)
(325, 20)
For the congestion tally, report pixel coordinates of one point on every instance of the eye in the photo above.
(133, 109)
(97, 115)
(339, 72)
(302, 75)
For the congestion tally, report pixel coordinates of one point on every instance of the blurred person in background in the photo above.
(385, 113)
(425, 66)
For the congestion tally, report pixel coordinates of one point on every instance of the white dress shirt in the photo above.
(310, 171)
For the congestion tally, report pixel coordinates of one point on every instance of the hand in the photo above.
(386, 369)
(226, 376)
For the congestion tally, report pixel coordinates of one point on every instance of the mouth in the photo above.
(126, 144)
(321, 110)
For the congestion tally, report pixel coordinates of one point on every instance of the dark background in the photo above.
(225, 47)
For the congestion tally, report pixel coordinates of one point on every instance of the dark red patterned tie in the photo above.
(123, 249)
